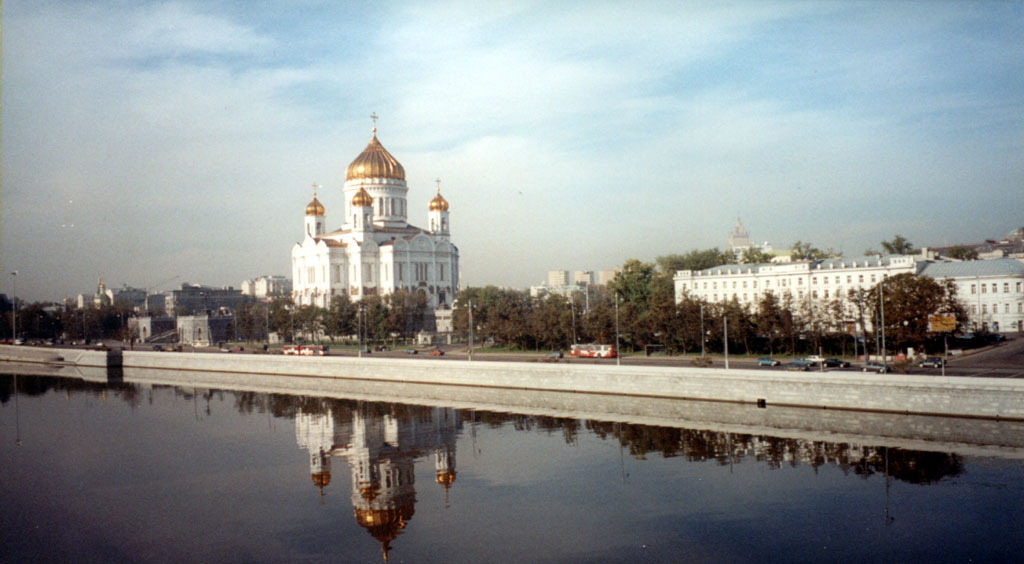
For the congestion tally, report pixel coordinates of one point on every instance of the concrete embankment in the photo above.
(888, 393)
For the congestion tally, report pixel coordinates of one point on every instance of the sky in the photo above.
(154, 143)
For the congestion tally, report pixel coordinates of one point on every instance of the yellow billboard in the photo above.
(941, 323)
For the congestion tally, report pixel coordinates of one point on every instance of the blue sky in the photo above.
(147, 140)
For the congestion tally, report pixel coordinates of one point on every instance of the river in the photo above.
(147, 473)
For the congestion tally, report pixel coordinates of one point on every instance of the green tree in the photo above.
(634, 284)
(898, 246)
(341, 317)
(754, 255)
(962, 253)
(693, 260)
(807, 251)
(908, 301)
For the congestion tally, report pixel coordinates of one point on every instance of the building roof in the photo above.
(968, 268)
(873, 261)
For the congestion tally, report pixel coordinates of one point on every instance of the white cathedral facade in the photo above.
(376, 251)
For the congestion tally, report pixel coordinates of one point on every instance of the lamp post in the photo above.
(881, 307)
(14, 307)
(725, 340)
(470, 350)
(618, 354)
(702, 354)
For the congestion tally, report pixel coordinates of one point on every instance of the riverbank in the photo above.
(991, 398)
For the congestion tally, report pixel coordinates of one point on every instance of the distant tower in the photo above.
(314, 216)
(438, 214)
(738, 237)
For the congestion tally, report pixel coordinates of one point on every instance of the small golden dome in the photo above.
(321, 479)
(375, 162)
(438, 203)
(362, 199)
(315, 207)
(445, 477)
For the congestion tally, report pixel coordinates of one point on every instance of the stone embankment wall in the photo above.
(926, 395)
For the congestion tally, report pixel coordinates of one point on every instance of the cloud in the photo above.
(183, 136)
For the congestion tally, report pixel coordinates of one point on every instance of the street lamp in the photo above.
(618, 353)
(14, 307)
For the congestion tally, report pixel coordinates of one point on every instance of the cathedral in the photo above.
(376, 251)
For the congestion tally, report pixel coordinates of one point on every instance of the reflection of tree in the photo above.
(917, 467)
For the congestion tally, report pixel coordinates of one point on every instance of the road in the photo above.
(1003, 360)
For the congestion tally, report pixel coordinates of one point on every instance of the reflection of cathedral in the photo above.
(381, 451)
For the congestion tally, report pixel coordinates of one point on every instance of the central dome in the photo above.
(375, 162)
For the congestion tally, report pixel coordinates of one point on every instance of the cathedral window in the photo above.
(440, 272)
(401, 271)
(310, 275)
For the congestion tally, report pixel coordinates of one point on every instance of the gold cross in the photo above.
(438, 181)
(315, 186)
(373, 116)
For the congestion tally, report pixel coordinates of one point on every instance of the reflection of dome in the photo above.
(315, 207)
(438, 203)
(321, 479)
(375, 162)
(362, 199)
(445, 477)
(385, 524)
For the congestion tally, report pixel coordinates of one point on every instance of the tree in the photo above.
(962, 253)
(898, 246)
(341, 317)
(908, 301)
(693, 260)
(634, 283)
(754, 255)
(807, 251)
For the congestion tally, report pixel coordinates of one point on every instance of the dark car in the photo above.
(157, 348)
(876, 367)
(767, 362)
(800, 365)
(931, 362)
(835, 363)
(411, 351)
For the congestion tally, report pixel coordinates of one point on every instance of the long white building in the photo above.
(375, 251)
(992, 290)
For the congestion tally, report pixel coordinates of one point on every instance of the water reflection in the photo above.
(381, 445)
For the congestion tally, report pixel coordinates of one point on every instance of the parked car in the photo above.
(876, 367)
(836, 363)
(931, 362)
(157, 348)
(767, 362)
(411, 351)
(800, 365)
(553, 355)
(436, 352)
(815, 359)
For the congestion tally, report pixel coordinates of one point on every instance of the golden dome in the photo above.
(375, 162)
(315, 207)
(438, 203)
(362, 199)
(445, 477)
(321, 479)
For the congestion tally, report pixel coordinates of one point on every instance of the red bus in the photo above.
(593, 351)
